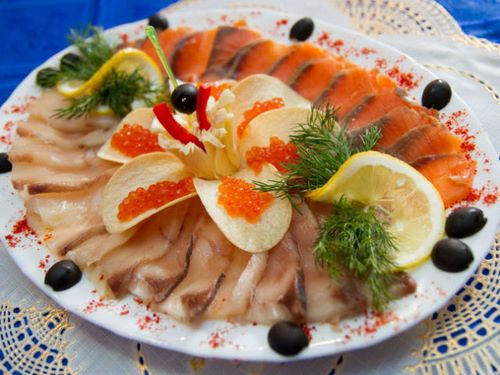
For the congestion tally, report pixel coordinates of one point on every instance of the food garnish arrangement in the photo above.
(217, 174)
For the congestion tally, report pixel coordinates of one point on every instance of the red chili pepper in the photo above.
(201, 107)
(176, 130)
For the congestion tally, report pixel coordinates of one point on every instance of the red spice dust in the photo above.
(308, 329)
(406, 80)
(381, 63)
(47, 237)
(453, 123)
(367, 51)
(373, 321)
(138, 300)
(43, 264)
(491, 198)
(12, 241)
(20, 230)
(148, 322)
(93, 305)
(124, 37)
(22, 227)
(488, 194)
(281, 22)
(124, 310)
(7, 138)
(216, 340)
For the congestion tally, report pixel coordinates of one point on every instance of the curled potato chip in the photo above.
(261, 87)
(141, 172)
(278, 123)
(252, 237)
(141, 116)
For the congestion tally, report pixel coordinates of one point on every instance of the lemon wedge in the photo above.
(402, 196)
(126, 59)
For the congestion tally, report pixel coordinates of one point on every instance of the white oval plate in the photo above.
(130, 318)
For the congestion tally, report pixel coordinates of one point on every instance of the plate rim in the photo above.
(231, 354)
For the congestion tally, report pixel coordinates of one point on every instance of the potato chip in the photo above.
(141, 172)
(141, 116)
(261, 87)
(278, 123)
(252, 237)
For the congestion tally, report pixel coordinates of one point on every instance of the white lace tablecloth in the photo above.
(449, 342)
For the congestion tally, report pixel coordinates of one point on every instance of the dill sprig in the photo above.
(355, 240)
(118, 90)
(322, 146)
(94, 49)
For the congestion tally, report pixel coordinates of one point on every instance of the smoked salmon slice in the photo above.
(168, 40)
(348, 92)
(299, 54)
(398, 122)
(257, 57)
(313, 77)
(451, 175)
(423, 142)
(228, 41)
(191, 55)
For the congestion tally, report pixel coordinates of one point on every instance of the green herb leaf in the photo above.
(322, 147)
(118, 90)
(94, 48)
(355, 240)
(153, 37)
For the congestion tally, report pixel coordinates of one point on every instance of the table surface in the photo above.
(429, 341)
(30, 36)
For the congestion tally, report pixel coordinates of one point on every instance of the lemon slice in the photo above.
(127, 59)
(404, 198)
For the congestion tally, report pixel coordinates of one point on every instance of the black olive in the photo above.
(70, 62)
(287, 338)
(451, 255)
(5, 165)
(47, 77)
(158, 22)
(63, 275)
(437, 94)
(465, 222)
(184, 98)
(302, 29)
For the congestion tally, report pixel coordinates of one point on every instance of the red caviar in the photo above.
(277, 153)
(240, 199)
(134, 140)
(218, 88)
(257, 109)
(155, 196)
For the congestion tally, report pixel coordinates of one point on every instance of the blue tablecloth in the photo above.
(34, 30)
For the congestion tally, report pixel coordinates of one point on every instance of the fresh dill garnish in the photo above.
(118, 90)
(322, 147)
(355, 240)
(94, 48)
